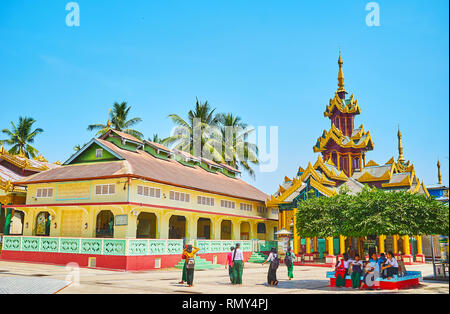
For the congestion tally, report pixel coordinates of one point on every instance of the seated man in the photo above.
(390, 267)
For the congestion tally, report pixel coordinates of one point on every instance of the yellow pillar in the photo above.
(381, 239)
(330, 245)
(406, 248)
(341, 245)
(308, 245)
(296, 236)
(280, 220)
(395, 243)
(419, 245)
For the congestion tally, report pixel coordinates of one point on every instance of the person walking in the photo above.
(274, 263)
(238, 265)
(183, 275)
(229, 263)
(189, 253)
(289, 262)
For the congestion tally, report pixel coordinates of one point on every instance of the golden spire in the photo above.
(108, 124)
(340, 74)
(439, 172)
(400, 146)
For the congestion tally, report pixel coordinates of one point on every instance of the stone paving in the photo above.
(307, 279)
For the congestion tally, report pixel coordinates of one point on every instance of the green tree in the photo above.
(118, 117)
(220, 137)
(155, 139)
(237, 151)
(372, 212)
(21, 136)
(197, 133)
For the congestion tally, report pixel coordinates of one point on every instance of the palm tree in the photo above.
(156, 139)
(224, 137)
(118, 120)
(196, 135)
(21, 137)
(237, 151)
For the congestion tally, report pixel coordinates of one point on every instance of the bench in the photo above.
(409, 279)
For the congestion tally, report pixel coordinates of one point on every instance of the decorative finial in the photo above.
(439, 172)
(340, 74)
(400, 146)
(108, 124)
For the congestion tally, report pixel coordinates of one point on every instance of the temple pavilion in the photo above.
(123, 203)
(342, 164)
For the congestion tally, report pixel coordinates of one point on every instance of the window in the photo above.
(148, 191)
(99, 153)
(208, 201)
(262, 209)
(44, 193)
(227, 204)
(247, 207)
(179, 196)
(105, 189)
(274, 211)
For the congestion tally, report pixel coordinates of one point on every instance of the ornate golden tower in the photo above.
(400, 146)
(439, 172)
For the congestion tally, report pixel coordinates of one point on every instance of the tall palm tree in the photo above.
(21, 137)
(196, 135)
(237, 151)
(119, 121)
(155, 139)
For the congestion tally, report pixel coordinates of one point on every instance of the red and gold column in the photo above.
(330, 258)
(420, 258)
(309, 256)
(407, 257)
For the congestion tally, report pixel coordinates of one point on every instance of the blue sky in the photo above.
(274, 63)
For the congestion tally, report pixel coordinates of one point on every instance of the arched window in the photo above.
(261, 228)
(105, 224)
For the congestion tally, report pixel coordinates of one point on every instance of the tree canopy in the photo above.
(372, 212)
(21, 137)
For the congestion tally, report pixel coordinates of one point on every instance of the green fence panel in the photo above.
(91, 246)
(50, 245)
(174, 247)
(30, 244)
(12, 243)
(157, 247)
(137, 247)
(114, 247)
(69, 245)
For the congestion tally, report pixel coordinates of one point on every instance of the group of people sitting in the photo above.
(385, 266)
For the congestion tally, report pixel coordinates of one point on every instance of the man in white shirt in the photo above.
(390, 267)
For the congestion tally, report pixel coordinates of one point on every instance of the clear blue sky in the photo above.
(270, 62)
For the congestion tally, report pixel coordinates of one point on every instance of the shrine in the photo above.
(343, 165)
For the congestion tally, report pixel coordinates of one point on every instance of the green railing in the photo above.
(222, 246)
(93, 246)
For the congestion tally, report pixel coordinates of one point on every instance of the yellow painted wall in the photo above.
(80, 219)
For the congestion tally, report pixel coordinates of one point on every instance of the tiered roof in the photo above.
(359, 139)
(17, 167)
(143, 162)
(344, 106)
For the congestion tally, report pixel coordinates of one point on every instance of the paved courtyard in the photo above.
(18, 277)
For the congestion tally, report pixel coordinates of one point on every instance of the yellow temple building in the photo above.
(342, 164)
(123, 203)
